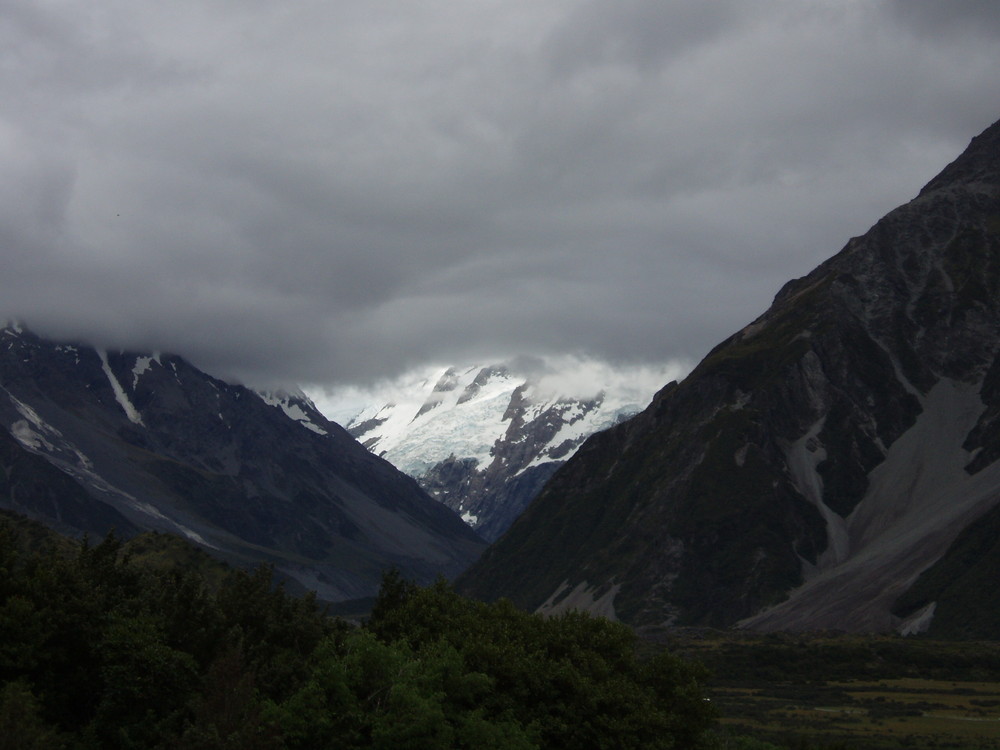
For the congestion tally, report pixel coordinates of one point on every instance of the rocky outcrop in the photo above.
(94, 440)
(816, 462)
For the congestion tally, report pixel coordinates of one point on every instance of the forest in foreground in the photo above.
(151, 643)
(147, 644)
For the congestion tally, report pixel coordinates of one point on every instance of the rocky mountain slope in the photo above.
(483, 440)
(93, 440)
(820, 468)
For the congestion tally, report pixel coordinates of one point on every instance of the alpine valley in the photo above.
(833, 465)
(95, 440)
(483, 440)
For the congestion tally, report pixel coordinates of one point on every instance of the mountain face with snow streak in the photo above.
(484, 439)
(93, 440)
(833, 465)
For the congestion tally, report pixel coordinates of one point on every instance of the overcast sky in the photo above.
(339, 190)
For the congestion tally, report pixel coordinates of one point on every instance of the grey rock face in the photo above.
(816, 462)
(148, 442)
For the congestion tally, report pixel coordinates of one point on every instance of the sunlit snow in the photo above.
(415, 427)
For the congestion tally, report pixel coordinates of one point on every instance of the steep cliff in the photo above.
(816, 462)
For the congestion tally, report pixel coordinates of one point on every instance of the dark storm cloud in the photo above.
(934, 18)
(636, 32)
(325, 192)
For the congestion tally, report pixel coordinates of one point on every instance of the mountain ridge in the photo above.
(150, 442)
(739, 490)
(483, 439)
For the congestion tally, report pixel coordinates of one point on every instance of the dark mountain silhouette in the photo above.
(94, 440)
(834, 464)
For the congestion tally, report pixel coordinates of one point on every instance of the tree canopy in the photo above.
(98, 650)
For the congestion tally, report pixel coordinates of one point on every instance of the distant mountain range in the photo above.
(483, 440)
(96, 439)
(832, 465)
(835, 464)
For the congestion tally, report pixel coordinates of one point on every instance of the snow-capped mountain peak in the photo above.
(484, 438)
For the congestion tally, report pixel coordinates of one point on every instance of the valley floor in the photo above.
(852, 691)
(870, 714)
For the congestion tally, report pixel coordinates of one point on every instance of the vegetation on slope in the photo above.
(151, 644)
(103, 647)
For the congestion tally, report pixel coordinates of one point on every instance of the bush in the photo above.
(98, 651)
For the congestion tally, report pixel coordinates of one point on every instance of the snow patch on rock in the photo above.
(130, 411)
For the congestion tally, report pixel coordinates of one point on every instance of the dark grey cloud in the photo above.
(637, 33)
(330, 192)
(931, 18)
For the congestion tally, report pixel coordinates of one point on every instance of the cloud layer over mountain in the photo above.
(336, 192)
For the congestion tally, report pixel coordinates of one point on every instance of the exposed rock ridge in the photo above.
(758, 474)
(94, 440)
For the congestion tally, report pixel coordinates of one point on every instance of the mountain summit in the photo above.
(94, 439)
(483, 440)
(834, 464)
